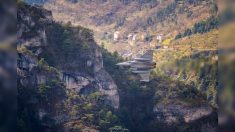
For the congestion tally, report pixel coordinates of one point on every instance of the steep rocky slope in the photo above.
(57, 63)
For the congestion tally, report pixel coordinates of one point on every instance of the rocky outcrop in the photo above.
(26, 62)
(45, 85)
(84, 84)
(180, 113)
(181, 107)
(32, 34)
(31, 27)
(76, 82)
(107, 87)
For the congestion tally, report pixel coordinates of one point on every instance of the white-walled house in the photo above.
(116, 35)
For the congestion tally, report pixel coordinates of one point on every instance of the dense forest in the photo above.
(213, 22)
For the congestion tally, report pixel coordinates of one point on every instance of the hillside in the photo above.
(163, 104)
(68, 80)
(55, 91)
(138, 23)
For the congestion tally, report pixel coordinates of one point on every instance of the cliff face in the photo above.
(182, 107)
(55, 60)
(177, 113)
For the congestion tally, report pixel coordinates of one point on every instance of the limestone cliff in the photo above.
(178, 105)
(55, 60)
(33, 36)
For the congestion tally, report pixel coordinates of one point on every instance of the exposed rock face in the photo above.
(181, 107)
(32, 28)
(75, 82)
(173, 113)
(26, 62)
(82, 71)
(102, 82)
(98, 62)
(107, 87)
(31, 25)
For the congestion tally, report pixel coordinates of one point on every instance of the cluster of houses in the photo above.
(130, 37)
(117, 36)
(135, 39)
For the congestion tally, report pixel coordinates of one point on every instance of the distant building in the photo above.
(134, 37)
(152, 45)
(159, 38)
(165, 47)
(129, 36)
(159, 42)
(116, 35)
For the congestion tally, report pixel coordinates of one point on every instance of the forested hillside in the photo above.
(143, 19)
(68, 79)
(55, 91)
(163, 104)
